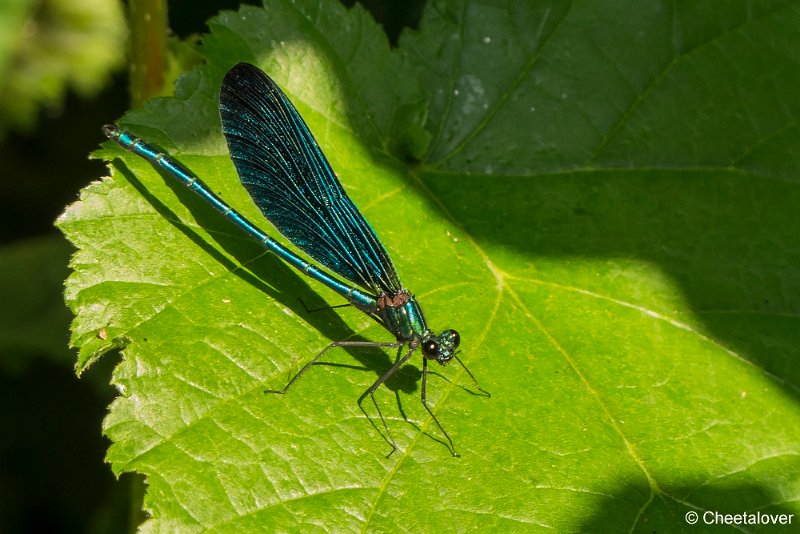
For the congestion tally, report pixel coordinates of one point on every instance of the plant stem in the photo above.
(148, 19)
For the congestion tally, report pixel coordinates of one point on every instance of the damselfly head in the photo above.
(441, 348)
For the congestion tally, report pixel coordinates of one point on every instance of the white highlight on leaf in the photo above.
(475, 97)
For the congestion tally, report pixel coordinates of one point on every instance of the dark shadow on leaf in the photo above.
(468, 389)
(631, 509)
(730, 243)
(406, 379)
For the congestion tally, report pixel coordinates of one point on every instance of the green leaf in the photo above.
(49, 47)
(34, 320)
(606, 208)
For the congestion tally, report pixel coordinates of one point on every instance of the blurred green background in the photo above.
(63, 73)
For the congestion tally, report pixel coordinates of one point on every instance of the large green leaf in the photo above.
(606, 208)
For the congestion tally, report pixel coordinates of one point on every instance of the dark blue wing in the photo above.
(292, 183)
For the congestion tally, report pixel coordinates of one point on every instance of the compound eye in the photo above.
(430, 349)
(455, 337)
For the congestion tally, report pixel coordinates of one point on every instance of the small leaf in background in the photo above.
(31, 284)
(606, 208)
(49, 47)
